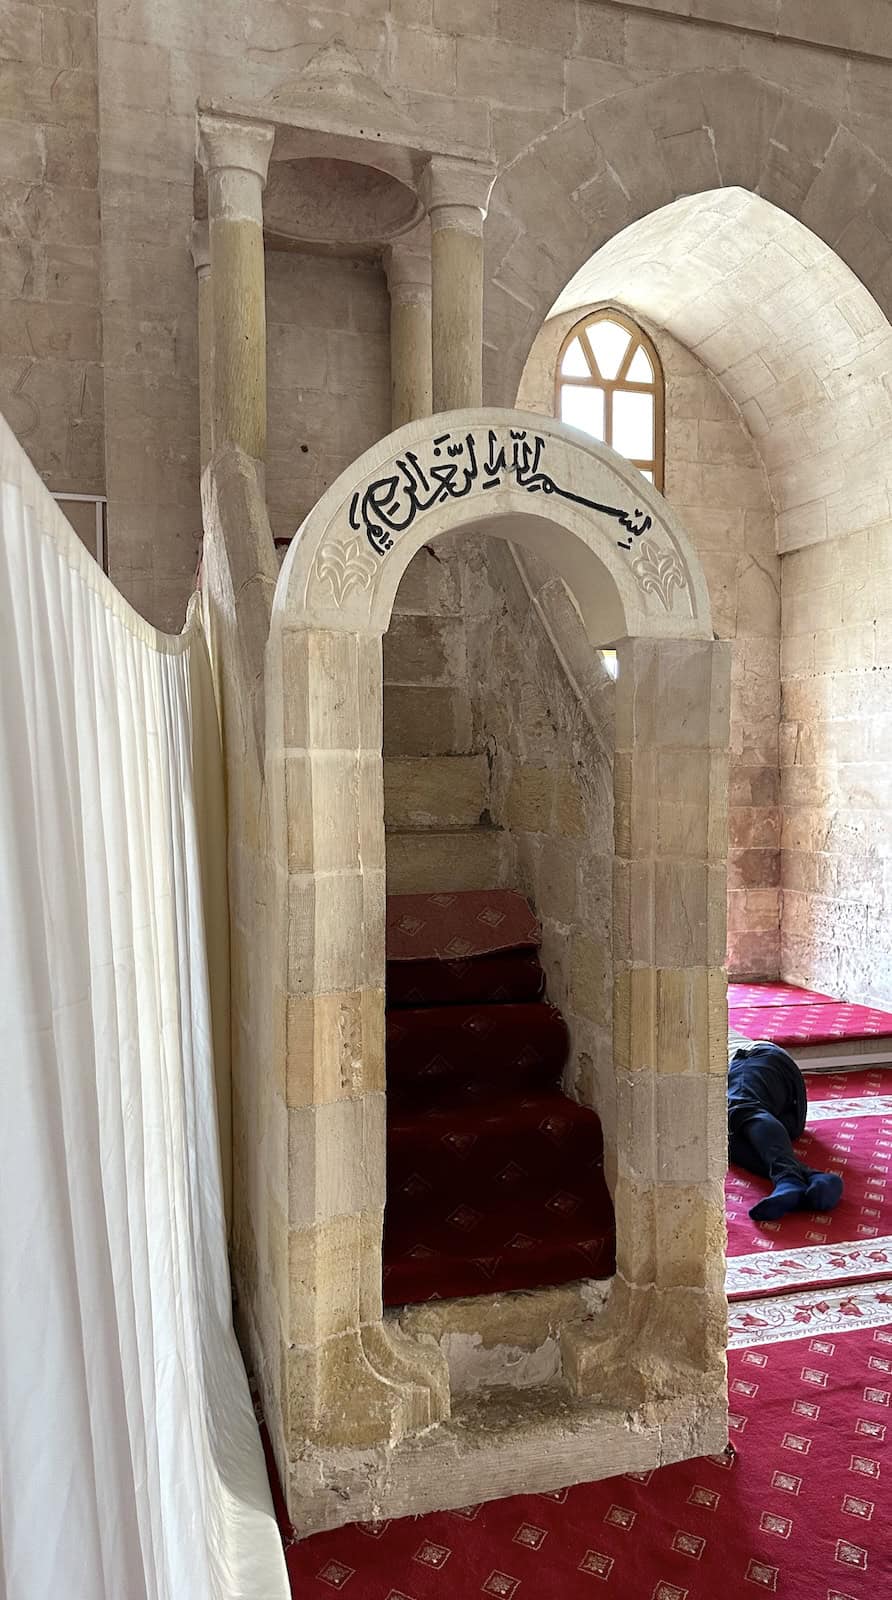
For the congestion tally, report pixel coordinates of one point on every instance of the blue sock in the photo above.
(824, 1191)
(787, 1195)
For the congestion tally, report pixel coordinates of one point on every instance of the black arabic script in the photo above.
(452, 468)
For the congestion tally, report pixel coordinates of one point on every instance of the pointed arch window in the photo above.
(610, 385)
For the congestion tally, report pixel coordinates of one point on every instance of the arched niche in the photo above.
(355, 1381)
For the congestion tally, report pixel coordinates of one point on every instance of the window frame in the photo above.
(609, 386)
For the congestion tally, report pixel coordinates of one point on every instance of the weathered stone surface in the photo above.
(424, 861)
(422, 649)
(435, 791)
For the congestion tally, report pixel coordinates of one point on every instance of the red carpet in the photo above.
(440, 1054)
(494, 1177)
(487, 980)
(758, 995)
(480, 947)
(849, 1131)
(449, 927)
(791, 1016)
(800, 1511)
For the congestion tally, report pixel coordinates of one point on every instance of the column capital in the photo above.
(201, 247)
(407, 266)
(456, 192)
(234, 143)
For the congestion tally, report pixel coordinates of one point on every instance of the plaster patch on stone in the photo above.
(473, 1366)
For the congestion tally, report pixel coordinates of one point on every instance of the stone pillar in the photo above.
(236, 154)
(349, 1380)
(669, 1137)
(201, 257)
(456, 194)
(407, 264)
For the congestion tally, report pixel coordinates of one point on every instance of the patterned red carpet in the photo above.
(494, 1177)
(800, 1508)
(849, 1131)
(792, 1016)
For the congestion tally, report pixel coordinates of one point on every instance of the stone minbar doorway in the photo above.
(370, 1423)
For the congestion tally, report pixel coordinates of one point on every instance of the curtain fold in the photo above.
(130, 1464)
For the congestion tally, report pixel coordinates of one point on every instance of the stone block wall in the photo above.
(716, 482)
(50, 324)
(836, 779)
(328, 352)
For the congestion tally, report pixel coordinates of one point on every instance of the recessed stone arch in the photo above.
(368, 1406)
(616, 160)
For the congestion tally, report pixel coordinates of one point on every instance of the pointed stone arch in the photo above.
(612, 162)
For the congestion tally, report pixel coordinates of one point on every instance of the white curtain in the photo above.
(130, 1464)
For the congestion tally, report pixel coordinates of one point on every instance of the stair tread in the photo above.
(495, 1178)
(450, 1054)
(433, 1274)
(499, 977)
(486, 1115)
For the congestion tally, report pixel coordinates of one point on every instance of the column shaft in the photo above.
(456, 194)
(407, 264)
(239, 334)
(456, 318)
(236, 156)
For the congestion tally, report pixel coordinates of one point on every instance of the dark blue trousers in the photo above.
(766, 1112)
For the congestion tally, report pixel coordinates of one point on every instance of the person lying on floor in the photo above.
(766, 1112)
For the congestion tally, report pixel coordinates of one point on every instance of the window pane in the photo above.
(584, 408)
(640, 369)
(574, 364)
(633, 424)
(611, 662)
(610, 343)
(646, 473)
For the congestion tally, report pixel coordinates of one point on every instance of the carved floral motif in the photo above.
(659, 572)
(345, 566)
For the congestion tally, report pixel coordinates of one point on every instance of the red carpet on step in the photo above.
(439, 1052)
(478, 947)
(801, 1511)
(792, 1016)
(449, 927)
(494, 1177)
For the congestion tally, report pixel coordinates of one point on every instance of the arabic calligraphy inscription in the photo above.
(452, 469)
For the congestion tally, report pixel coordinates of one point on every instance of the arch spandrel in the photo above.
(522, 477)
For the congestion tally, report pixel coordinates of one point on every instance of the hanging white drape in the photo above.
(130, 1465)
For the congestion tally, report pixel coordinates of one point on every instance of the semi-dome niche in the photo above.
(335, 205)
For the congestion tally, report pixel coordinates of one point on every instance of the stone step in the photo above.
(420, 720)
(428, 860)
(435, 791)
